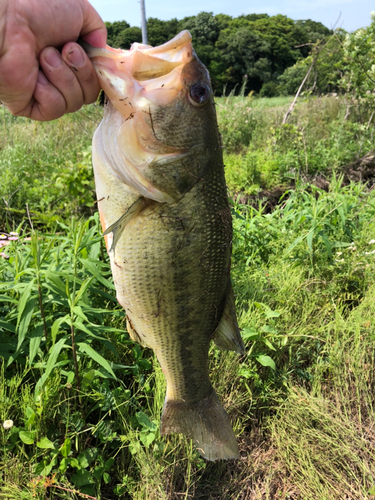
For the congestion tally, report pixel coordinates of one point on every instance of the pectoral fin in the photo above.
(118, 227)
(227, 335)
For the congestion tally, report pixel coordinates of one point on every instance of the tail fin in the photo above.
(206, 422)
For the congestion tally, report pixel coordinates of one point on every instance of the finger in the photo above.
(93, 29)
(46, 104)
(76, 58)
(57, 90)
(62, 78)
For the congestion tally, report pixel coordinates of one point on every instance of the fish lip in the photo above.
(180, 40)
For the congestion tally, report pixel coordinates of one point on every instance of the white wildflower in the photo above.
(339, 253)
(371, 242)
(340, 260)
(369, 253)
(8, 424)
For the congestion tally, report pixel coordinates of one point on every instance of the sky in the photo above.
(354, 13)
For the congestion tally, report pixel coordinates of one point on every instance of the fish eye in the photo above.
(199, 94)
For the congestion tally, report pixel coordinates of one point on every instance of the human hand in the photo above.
(36, 80)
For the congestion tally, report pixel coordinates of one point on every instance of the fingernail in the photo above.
(76, 57)
(42, 79)
(52, 57)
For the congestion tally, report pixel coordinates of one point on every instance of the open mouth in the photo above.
(129, 74)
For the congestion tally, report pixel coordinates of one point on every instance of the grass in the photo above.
(301, 400)
(260, 153)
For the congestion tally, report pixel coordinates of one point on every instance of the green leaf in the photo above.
(51, 363)
(25, 295)
(27, 437)
(268, 329)
(30, 416)
(57, 282)
(63, 465)
(272, 314)
(85, 285)
(98, 472)
(309, 240)
(44, 468)
(82, 478)
(56, 326)
(87, 349)
(144, 364)
(7, 326)
(87, 457)
(66, 448)
(266, 361)
(294, 244)
(249, 333)
(92, 268)
(327, 244)
(74, 463)
(147, 438)
(78, 311)
(106, 478)
(109, 463)
(24, 319)
(29, 412)
(45, 444)
(35, 339)
(53, 355)
(145, 421)
(268, 344)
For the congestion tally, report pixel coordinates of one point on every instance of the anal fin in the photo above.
(117, 228)
(227, 335)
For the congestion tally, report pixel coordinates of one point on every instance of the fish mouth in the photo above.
(128, 76)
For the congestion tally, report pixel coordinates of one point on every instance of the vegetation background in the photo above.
(80, 403)
(254, 50)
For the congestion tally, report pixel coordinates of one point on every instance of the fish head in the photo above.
(159, 115)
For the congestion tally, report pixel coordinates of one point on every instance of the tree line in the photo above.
(252, 50)
(268, 55)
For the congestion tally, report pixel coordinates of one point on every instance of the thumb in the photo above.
(93, 29)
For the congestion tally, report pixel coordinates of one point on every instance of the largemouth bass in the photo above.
(164, 210)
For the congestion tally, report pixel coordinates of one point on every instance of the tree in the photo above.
(325, 75)
(257, 45)
(128, 36)
(114, 29)
(205, 31)
(358, 64)
(160, 32)
(245, 52)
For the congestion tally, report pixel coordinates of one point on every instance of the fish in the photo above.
(164, 210)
